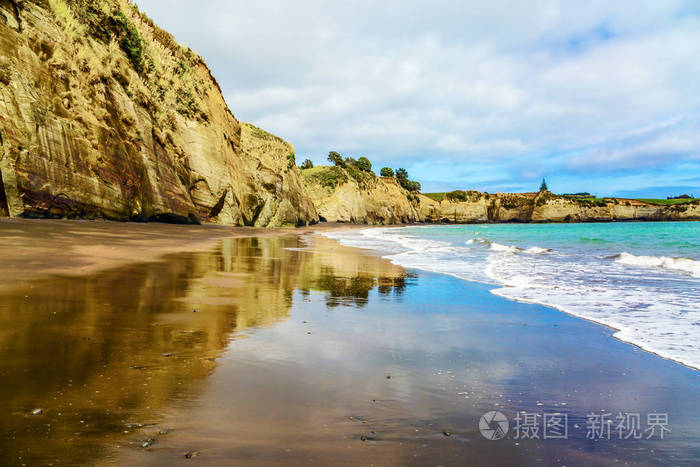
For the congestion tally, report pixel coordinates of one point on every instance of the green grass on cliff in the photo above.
(457, 195)
(262, 134)
(329, 177)
(436, 196)
(589, 201)
(667, 202)
(332, 176)
(363, 178)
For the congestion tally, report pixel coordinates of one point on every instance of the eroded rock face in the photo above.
(93, 126)
(534, 207)
(287, 200)
(339, 197)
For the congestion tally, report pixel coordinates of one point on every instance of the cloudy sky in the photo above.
(599, 96)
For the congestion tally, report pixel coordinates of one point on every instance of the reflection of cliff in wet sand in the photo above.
(99, 355)
(346, 276)
(103, 354)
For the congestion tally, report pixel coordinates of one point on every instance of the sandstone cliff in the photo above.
(353, 196)
(476, 207)
(350, 195)
(103, 114)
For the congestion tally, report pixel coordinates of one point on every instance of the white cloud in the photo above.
(515, 84)
(655, 146)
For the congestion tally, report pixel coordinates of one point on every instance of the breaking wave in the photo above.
(688, 265)
(653, 301)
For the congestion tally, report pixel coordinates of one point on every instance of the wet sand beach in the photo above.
(145, 344)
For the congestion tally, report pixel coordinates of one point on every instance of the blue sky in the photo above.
(595, 96)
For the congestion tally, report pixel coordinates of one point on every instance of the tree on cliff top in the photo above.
(364, 164)
(386, 172)
(402, 178)
(543, 187)
(412, 185)
(307, 164)
(336, 159)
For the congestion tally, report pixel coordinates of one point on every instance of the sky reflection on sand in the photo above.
(268, 351)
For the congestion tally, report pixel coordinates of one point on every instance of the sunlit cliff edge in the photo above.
(478, 207)
(104, 115)
(346, 195)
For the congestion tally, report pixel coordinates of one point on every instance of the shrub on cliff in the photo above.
(364, 164)
(336, 159)
(457, 195)
(97, 19)
(544, 197)
(363, 179)
(461, 195)
(402, 178)
(519, 201)
(412, 185)
(386, 172)
(131, 42)
(592, 202)
(291, 160)
(105, 31)
(328, 177)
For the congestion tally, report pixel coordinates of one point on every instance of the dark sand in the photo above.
(39, 247)
(288, 349)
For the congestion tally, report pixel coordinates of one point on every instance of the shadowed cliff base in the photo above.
(4, 209)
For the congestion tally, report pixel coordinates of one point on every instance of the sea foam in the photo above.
(653, 301)
(688, 265)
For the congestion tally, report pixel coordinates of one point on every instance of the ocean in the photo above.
(642, 279)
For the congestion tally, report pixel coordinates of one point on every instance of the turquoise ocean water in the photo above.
(642, 279)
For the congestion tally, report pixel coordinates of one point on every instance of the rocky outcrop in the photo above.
(278, 178)
(546, 207)
(354, 196)
(103, 114)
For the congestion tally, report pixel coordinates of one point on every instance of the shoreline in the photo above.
(495, 288)
(166, 239)
(75, 247)
(292, 348)
(391, 425)
(599, 323)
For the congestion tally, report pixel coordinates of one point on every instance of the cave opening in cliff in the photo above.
(4, 208)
